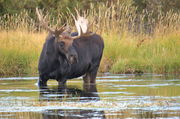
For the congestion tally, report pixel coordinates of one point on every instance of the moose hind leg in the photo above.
(90, 77)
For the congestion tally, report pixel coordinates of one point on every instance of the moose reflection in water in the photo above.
(69, 94)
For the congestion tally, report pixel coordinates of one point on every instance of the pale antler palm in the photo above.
(82, 25)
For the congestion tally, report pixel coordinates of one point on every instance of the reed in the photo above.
(134, 42)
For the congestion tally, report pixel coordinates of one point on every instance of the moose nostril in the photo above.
(73, 58)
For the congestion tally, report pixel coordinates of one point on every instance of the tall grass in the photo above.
(19, 51)
(133, 42)
(157, 55)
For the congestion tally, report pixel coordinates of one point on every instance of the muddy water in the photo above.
(114, 96)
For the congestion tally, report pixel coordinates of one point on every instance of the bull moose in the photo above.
(67, 55)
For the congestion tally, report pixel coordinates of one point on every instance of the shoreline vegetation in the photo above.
(134, 42)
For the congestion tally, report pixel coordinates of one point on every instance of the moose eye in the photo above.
(61, 44)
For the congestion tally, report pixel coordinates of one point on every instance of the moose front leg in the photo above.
(62, 82)
(42, 80)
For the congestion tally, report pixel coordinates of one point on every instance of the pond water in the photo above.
(113, 96)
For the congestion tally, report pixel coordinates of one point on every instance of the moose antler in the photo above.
(44, 23)
(82, 25)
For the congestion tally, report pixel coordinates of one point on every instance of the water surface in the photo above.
(113, 96)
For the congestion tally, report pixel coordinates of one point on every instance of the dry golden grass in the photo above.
(19, 52)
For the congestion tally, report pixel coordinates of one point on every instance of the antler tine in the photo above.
(71, 14)
(42, 20)
(81, 24)
(61, 29)
(78, 27)
(38, 14)
(85, 14)
(78, 15)
(77, 24)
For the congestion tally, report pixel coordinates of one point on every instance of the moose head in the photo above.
(63, 38)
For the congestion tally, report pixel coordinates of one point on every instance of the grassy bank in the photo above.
(19, 53)
(134, 43)
(136, 55)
